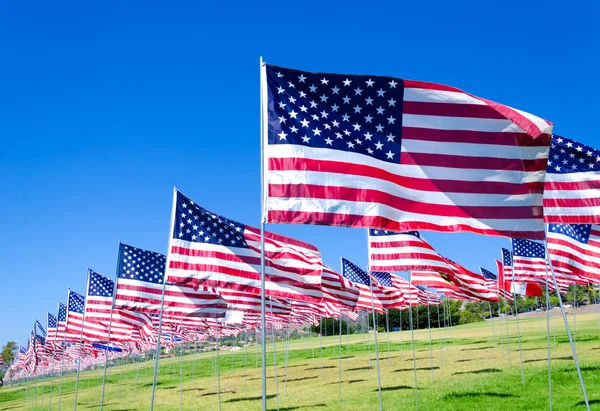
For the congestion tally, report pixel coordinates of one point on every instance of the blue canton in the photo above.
(384, 279)
(578, 232)
(354, 274)
(51, 320)
(488, 274)
(507, 259)
(76, 302)
(141, 265)
(568, 156)
(39, 330)
(62, 312)
(199, 225)
(100, 286)
(356, 113)
(528, 248)
(382, 233)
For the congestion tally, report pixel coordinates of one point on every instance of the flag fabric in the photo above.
(213, 251)
(575, 248)
(504, 286)
(140, 277)
(529, 265)
(390, 286)
(362, 281)
(74, 323)
(507, 262)
(400, 155)
(427, 297)
(51, 326)
(1, 361)
(441, 283)
(391, 251)
(491, 280)
(470, 283)
(337, 289)
(571, 193)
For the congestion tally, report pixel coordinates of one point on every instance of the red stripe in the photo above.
(310, 191)
(572, 185)
(571, 219)
(421, 184)
(523, 122)
(450, 110)
(281, 238)
(381, 242)
(572, 202)
(477, 163)
(474, 137)
(430, 86)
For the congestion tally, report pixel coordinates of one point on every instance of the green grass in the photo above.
(474, 374)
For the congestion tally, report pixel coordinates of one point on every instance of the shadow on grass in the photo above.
(398, 387)
(343, 358)
(300, 407)
(193, 389)
(312, 377)
(592, 402)
(531, 349)
(354, 381)
(222, 392)
(468, 359)
(298, 365)
(477, 348)
(590, 368)
(462, 395)
(546, 359)
(250, 398)
(168, 388)
(418, 358)
(260, 378)
(359, 368)
(482, 371)
(475, 342)
(418, 369)
(318, 368)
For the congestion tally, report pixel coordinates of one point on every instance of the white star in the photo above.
(293, 129)
(335, 90)
(557, 168)
(293, 114)
(378, 145)
(391, 120)
(369, 150)
(282, 120)
(579, 148)
(392, 84)
(392, 102)
(358, 141)
(370, 83)
(380, 110)
(324, 81)
(369, 101)
(303, 108)
(357, 109)
(368, 136)
(335, 123)
(380, 92)
(350, 144)
(279, 74)
(328, 141)
(335, 107)
(357, 91)
(290, 84)
(324, 114)
(347, 82)
(379, 128)
(301, 78)
(280, 90)
(589, 154)
(306, 139)
(356, 127)
(390, 137)
(304, 123)
(282, 136)
(368, 118)
(346, 117)
(317, 132)
(324, 98)
(313, 88)
(346, 100)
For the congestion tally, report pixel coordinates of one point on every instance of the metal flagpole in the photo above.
(263, 130)
(412, 340)
(548, 334)
(80, 343)
(340, 357)
(400, 313)
(492, 321)
(430, 346)
(574, 314)
(445, 324)
(440, 336)
(245, 356)
(62, 358)
(321, 340)
(500, 329)
(181, 366)
(376, 342)
(287, 353)
(162, 303)
(112, 308)
(274, 353)
(507, 337)
(218, 365)
(387, 331)
(573, 350)
(519, 337)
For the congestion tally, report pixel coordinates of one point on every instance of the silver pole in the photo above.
(574, 314)
(263, 130)
(287, 352)
(507, 336)
(112, 308)
(218, 365)
(321, 341)
(412, 340)
(376, 343)
(430, 346)
(274, 354)
(80, 344)
(181, 367)
(548, 334)
(245, 357)
(340, 357)
(519, 338)
(439, 336)
(387, 327)
(162, 303)
(492, 321)
(573, 350)
(500, 330)
(400, 313)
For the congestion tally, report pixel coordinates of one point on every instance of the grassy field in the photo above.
(471, 371)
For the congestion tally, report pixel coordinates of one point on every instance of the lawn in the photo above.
(471, 371)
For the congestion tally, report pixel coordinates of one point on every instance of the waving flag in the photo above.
(572, 188)
(469, 282)
(74, 323)
(362, 281)
(575, 249)
(337, 289)
(391, 251)
(213, 251)
(51, 326)
(491, 280)
(390, 288)
(61, 319)
(504, 286)
(140, 277)
(427, 297)
(400, 155)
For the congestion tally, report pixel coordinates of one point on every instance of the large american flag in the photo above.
(575, 248)
(213, 251)
(529, 261)
(337, 289)
(571, 192)
(361, 279)
(391, 251)
(400, 155)
(74, 323)
(140, 277)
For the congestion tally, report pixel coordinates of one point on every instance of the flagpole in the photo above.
(274, 353)
(62, 358)
(81, 342)
(112, 308)
(321, 340)
(376, 341)
(340, 357)
(263, 131)
(519, 337)
(573, 350)
(162, 302)
(412, 340)
(430, 345)
(218, 366)
(500, 329)
(181, 365)
(439, 335)
(548, 334)
(387, 326)
(492, 321)
(574, 314)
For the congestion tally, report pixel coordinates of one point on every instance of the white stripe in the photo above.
(459, 123)
(439, 96)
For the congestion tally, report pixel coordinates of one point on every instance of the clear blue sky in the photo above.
(104, 107)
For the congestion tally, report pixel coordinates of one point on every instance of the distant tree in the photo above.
(9, 352)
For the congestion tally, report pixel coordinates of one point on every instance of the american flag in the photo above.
(529, 261)
(362, 281)
(1, 361)
(507, 262)
(504, 286)
(51, 326)
(390, 287)
(427, 297)
(62, 322)
(401, 155)
(491, 280)
(140, 276)
(470, 283)
(74, 323)
(240, 301)
(391, 251)
(213, 251)
(572, 180)
(441, 284)
(575, 249)
(337, 289)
